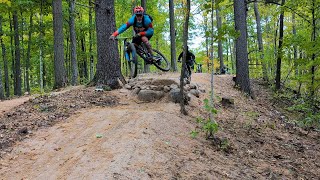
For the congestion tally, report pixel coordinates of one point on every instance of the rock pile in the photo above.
(150, 90)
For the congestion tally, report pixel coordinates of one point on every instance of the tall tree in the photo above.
(73, 44)
(278, 70)
(5, 62)
(242, 67)
(28, 53)
(260, 42)
(41, 35)
(59, 68)
(90, 40)
(220, 50)
(184, 57)
(4, 57)
(108, 66)
(172, 37)
(17, 75)
(146, 66)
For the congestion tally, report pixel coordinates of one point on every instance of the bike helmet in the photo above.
(138, 10)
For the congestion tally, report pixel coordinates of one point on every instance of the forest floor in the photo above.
(83, 134)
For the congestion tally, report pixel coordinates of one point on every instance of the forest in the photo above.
(47, 44)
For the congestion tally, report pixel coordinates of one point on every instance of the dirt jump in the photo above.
(84, 134)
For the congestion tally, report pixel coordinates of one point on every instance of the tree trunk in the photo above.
(28, 53)
(172, 37)
(59, 68)
(41, 48)
(146, 66)
(17, 76)
(278, 70)
(184, 58)
(90, 41)
(242, 77)
(4, 59)
(84, 58)
(12, 52)
(260, 43)
(108, 67)
(295, 51)
(220, 53)
(73, 44)
(5, 62)
(313, 68)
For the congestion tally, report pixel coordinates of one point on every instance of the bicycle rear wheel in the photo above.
(131, 56)
(160, 61)
(187, 74)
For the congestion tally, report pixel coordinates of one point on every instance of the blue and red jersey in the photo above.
(145, 27)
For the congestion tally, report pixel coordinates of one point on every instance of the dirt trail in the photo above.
(7, 105)
(152, 141)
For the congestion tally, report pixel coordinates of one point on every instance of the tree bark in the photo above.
(184, 58)
(4, 59)
(172, 37)
(28, 53)
(260, 42)
(278, 70)
(59, 68)
(17, 76)
(5, 62)
(242, 75)
(90, 41)
(73, 44)
(219, 25)
(108, 66)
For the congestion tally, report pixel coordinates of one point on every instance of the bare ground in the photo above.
(83, 134)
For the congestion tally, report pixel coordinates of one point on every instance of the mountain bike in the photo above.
(187, 70)
(131, 51)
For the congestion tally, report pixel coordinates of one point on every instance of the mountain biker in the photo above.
(142, 26)
(190, 61)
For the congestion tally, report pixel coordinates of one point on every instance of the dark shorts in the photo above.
(137, 40)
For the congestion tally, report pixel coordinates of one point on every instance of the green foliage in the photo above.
(309, 117)
(208, 107)
(206, 124)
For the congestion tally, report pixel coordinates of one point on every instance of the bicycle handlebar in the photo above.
(120, 38)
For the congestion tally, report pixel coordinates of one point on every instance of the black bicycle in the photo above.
(187, 71)
(131, 50)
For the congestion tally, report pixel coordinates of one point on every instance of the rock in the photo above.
(135, 91)
(227, 102)
(174, 86)
(174, 96)
(202, 90)
(127, 86)
(150, 95)
(193, 86)
(23, 130)
(163, 82)
(166, 89)
(195, 92)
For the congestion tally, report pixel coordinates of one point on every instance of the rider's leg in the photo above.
(147, 43)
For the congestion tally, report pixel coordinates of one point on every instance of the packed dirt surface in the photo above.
(84, 134)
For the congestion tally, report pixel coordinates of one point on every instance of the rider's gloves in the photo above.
(137, 35)
(112, 37)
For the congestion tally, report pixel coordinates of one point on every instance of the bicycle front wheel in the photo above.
(160, 61)
(131, 56)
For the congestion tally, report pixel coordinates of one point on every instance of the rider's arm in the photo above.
(124, 27)
(180, 56)
(193, 57)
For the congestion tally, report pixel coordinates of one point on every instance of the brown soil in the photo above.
(83, 134)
